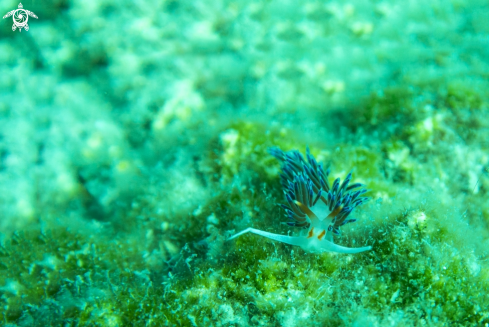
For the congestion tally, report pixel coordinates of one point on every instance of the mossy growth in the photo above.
(62, 277)
(424, 271)
(413, 268)
(394, 108)
(242, 150)
(416, 267)
(420, 265)
(462, 95)
(366, 164)
(467, 102)
(424, 114)
(399, 165)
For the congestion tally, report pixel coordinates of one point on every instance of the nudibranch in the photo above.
(313, 204)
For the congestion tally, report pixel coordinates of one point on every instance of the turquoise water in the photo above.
(134, 141)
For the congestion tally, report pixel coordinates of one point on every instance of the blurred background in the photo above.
(137, 119)
(100, 96)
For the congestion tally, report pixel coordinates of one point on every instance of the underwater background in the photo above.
(134, 138)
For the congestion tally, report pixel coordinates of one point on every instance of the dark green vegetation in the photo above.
(133, 140)
(425, 266)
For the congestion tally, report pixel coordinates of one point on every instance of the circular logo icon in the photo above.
(20, 18)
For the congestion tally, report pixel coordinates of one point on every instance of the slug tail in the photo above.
(292, 240)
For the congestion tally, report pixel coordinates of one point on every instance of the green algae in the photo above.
(418, 265)
(158, 255)
(60, 271)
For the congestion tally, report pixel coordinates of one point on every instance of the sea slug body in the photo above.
(313, 204)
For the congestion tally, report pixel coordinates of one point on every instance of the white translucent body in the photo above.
(312, 244)
(318, 239)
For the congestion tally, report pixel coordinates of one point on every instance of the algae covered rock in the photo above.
(134, 141)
